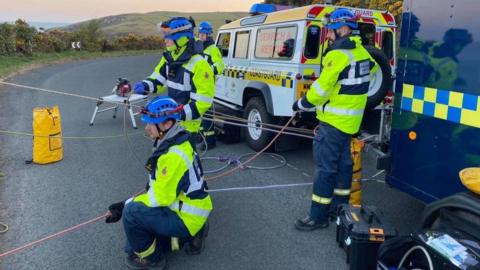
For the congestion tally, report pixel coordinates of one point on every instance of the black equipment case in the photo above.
(360, 231)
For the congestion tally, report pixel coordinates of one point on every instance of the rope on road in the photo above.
(254, 156)
(259, 187)
(229, 172)
(57, 234)
(227, 161)
(26, 134)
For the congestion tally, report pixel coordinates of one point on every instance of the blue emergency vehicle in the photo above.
(435, 130)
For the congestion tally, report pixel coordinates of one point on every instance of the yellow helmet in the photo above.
(471, 179)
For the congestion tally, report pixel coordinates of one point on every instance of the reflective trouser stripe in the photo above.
(174, 244)
(321, 200)
(149, 251)
(341, 192)
(189, 209)
(209, 133)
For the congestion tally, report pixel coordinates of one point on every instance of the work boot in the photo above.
(135, 262)
(309, 224)
(197, 244)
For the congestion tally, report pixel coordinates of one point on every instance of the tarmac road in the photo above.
(249, 229)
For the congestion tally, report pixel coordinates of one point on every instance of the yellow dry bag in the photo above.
(356, 148)
(47, 135)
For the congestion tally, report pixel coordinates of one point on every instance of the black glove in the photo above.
(116, 210)
(295, 106)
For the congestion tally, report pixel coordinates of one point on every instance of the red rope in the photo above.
(39, 241)
(76, 227)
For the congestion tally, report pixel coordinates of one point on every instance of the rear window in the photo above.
(312, 44)
(241, 44)
(276, 42)
(387, 44)
(223, 42)
(367, 33)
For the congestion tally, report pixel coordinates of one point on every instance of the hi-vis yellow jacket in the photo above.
(339, 95)
(176, 181)
(188, 79)
(214, 58)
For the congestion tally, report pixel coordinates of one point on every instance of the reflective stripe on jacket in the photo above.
(340, 93)
(214, 58)
(190, 84)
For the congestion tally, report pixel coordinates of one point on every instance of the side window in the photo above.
(277, 43)
(312, 44)
(241, 44)
(223, 42)
(285, 42)
(387, 44)
(265, 43)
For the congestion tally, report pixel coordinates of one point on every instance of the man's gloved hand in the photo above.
(140, 88)
(116, 210)
(295, 106)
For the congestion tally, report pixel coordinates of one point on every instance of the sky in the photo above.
(68, 11)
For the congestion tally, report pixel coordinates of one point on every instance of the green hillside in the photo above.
(146, 23)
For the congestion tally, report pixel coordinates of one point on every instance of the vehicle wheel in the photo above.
(382, 80)
(256, 113)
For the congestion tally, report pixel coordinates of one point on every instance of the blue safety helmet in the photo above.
(177, 27)
(205, 28)
(159, 110)
(341, 17)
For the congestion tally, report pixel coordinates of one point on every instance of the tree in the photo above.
(24, 35)
(90, 36)
(7, 39)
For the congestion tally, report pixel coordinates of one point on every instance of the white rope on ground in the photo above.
(258, 187)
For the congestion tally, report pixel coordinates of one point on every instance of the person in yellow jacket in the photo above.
(339, 97)
(175, 207)
(214, 57)
(182, 73)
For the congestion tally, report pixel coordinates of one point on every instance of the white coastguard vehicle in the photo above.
(272, 58)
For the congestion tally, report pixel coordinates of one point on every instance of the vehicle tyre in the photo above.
(256, 112)
(382, 80)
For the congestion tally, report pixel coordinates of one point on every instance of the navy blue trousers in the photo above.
(333, 169)
(144, 224)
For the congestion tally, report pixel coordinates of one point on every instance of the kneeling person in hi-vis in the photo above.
(175, 207)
